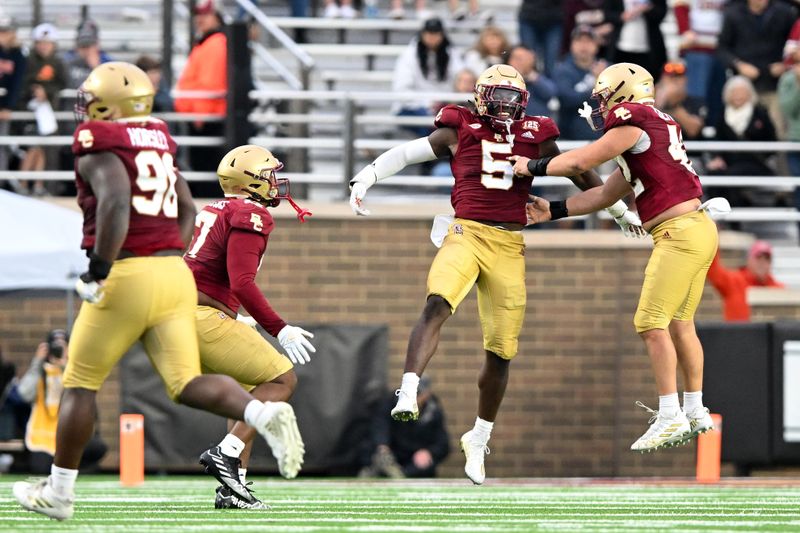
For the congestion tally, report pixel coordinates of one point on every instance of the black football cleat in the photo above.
(225, 469)
(227, 499)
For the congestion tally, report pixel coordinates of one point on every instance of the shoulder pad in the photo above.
(250, 216)
(537, 129)
(96, 136)
(621, 115)
(450, 116)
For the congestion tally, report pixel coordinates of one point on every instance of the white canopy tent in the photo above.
(39, 244)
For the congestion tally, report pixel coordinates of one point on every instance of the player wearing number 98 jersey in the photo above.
(646, 143)
(138, 215)
(483, 245)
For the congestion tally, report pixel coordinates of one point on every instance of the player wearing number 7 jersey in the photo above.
(230, 240)
(138, 215)
(646, 143)
(484, 244)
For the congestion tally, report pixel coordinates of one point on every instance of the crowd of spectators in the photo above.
(560, 48)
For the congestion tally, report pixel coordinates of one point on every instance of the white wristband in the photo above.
(617, 209)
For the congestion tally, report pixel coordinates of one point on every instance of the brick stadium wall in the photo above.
(569, 409)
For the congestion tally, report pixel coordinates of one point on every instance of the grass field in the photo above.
(186, 504)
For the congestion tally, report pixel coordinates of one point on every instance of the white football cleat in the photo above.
(474, 452)
(663, 432)
(406, 408)
(40, 497)
(699, 421)
(278, 425)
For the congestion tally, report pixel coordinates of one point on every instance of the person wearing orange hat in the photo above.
(732, 285)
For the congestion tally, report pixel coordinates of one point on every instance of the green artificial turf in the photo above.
(186, 504)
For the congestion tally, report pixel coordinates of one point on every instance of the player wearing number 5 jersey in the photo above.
(648, 148)
(138, 215)
(230, 240)
(484, 245)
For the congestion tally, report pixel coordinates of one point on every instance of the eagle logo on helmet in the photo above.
(114, 90)
(619, 83)
(501, 96)
(250, 171)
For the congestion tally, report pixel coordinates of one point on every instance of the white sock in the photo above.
(252, 411)
(63, 480)
(692, 401)
(668, 405)
(242, 475)
(231, 445)
(409, 384)
(482, 430)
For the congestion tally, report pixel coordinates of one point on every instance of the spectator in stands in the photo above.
(791, 50)
(751, 43)
(152, 67)
(9, 425)
(699, 26)
(429, 64)
(744, 119)
(41, 386)
(575, 77)
(490, 49)
(86, 55)
(541, 23)
(12, 69)
(45, 77)
(637, 36)
(789, 98)
(732, 285)
(205, 70)
(672, 97)
(344, 9)
(589, 13)
(407, 449)
(541, 89)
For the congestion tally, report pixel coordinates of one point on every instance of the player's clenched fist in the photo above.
(520, 165)
(90, 284)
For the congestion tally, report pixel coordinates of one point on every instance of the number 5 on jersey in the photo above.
(491, 167)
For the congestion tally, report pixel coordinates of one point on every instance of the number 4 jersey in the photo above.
(485, 187)
(657, 166)
(148, 153)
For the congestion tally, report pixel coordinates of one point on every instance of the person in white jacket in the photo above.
(429, 65)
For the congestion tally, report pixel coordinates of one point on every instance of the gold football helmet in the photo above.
(501, 95)
(115, 90)
(621, 82)
(249, 170)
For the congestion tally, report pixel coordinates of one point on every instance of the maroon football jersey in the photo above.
(208, 253)
(658, 167)
(148, 152)
(485, 187)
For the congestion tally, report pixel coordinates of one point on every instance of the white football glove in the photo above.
(357, 192)
(247, 320)
(89, 291)
(631, 225)
(297, 346)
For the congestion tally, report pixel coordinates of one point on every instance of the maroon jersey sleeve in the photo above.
(245, 249)
(94, 136)
(252, 217)
(449, 117)
(536, 130)
(623, 115)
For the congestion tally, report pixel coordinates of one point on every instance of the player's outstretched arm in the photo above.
(613, 143)
(436, 145)
(614, 189)
(186, 209)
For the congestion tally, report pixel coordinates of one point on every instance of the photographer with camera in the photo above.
(41, 386)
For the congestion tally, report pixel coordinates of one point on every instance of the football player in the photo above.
(484, 244)
(647, 145)
(230, 239)
(138, 217)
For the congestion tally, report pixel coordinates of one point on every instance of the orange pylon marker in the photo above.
(131, 450)
(709, 453)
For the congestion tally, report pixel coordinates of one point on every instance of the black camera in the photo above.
(55, 343)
